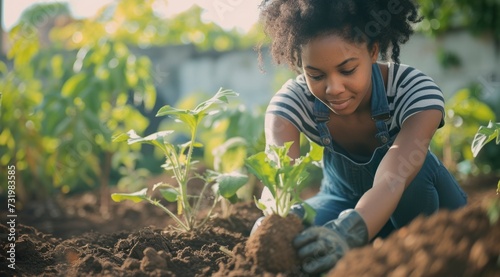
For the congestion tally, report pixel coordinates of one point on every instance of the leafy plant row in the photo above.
(283, 177)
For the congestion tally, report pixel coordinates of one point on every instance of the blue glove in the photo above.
(321, 247)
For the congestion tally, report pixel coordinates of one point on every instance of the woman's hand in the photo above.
(321, 247)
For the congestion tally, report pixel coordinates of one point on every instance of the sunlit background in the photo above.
(74, 74)
(228, 14)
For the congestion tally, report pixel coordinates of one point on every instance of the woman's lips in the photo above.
(339, 104)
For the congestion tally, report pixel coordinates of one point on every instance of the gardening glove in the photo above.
(321, 247)
(296, 209)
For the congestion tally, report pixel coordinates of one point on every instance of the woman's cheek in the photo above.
(315, 90)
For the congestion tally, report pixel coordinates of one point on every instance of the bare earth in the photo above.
(138, 240)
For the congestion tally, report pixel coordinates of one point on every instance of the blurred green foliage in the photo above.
(64, 95)
(465, 111)
(188, 28)
(179, 161)
(478, 16)
(62, 101)
(233, 121)
(484, 135)
(62, 104)
(138, 22)
(231, 136)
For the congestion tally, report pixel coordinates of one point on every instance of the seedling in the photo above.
(283, 177)
(230, 157)
(484, 135)
(179, 161)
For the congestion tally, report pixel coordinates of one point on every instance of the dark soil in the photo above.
(461, 243)
(138, 240)
(270, 247)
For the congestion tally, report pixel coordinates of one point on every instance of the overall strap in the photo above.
(322, 115)
(379, 105)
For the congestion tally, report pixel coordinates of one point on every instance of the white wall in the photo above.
(477, 55)
(238, 71)
(181, 70)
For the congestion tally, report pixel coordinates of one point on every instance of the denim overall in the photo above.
(345, 180)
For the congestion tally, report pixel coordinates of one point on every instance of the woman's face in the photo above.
(339, 72)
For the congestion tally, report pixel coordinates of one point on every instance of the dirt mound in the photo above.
(147, 252)
(459, 243)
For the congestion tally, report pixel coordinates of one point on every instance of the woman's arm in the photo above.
(279, 130)
(397, 169)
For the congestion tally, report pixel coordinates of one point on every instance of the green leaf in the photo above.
(121, 137)
(261, 206)
(170, 194)
(73, 84)
(231, 143)
(316, 152)
(130, 74)
(493, 210)
(219, 97)
(281, 153)
(156, 139)
(230, 155)
(259, 165)
(485, 135)
(230, 183)
(57, 66)
(63, 126)
(193, 117)
(134, 196)
(233, 199)
(310, 214)
(298, 173)
(169, 110)
(133, 137)
(189, 143)
(149, 96)
(183, 115)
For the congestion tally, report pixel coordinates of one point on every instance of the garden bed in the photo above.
(137, 240)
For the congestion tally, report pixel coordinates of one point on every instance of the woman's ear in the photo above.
(374, 51)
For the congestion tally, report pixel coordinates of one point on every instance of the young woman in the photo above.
(374, 119)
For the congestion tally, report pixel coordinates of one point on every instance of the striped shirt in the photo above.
(409, 91)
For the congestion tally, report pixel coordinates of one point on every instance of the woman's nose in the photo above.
(335, 86)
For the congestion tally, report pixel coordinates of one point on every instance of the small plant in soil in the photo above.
(179, 160)
(484, 135)
(230, 157)
(270, 246)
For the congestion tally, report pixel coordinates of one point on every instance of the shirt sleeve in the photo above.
(416, 92)
(295, 102)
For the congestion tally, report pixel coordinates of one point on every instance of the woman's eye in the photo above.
(349, 72)
(315, 77)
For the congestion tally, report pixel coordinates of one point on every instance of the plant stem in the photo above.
(198, 202)
(172, 215)
(279, 195)
(104, 208)
(208, 214)
(190, 151)
(181, 181)
(183, 184)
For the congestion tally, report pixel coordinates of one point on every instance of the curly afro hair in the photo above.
(292, 23)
